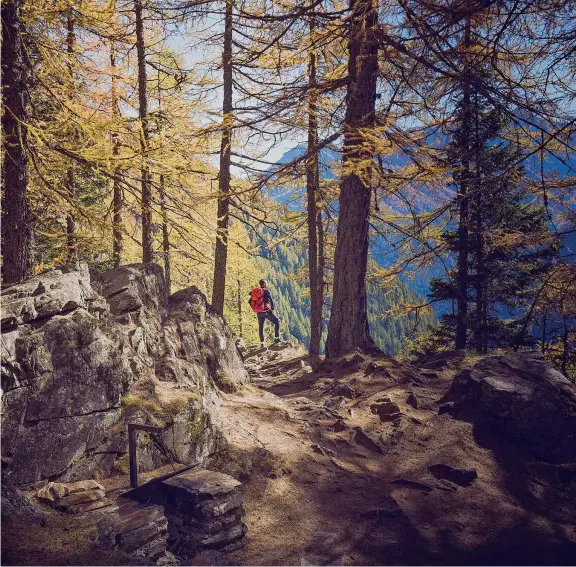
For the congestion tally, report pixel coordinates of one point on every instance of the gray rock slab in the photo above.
(528, 398)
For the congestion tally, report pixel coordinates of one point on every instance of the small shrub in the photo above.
(151, 409)
(122, 464)
(175, 407)
(196, 427)
(131, 400)
(224, 383)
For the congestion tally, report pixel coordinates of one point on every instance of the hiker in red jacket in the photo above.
(262, 303)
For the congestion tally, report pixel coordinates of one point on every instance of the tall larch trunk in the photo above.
(16, 216)
(165, 236)
(117, 195)
(480, 338)
(163, 208)
(221, 252)
(146, 196)
(239, 304)
(71, 230)
(312, 189)
(348, 325)
(463, 202)
(321, 256)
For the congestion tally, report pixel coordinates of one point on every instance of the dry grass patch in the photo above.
(63, 541)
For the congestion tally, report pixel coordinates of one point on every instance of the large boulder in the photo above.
(62, 377)
(530, 400)
(81, 358)
(205, 337)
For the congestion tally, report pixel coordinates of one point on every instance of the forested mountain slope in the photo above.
(285, 268)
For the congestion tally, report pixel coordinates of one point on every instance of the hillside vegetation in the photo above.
(391, 320)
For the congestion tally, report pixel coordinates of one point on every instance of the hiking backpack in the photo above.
(257, 300)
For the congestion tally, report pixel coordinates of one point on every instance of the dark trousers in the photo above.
(262, 316)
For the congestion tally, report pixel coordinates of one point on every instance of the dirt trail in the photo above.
(335, 466)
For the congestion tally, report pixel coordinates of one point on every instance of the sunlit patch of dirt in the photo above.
(354, 487)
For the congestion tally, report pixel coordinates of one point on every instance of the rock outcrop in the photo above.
(80, 358)
(531, 401)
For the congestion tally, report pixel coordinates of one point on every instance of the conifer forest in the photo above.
(402, 173)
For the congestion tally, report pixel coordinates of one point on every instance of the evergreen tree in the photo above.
(504, 240)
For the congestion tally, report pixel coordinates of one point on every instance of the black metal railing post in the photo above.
(132, 429)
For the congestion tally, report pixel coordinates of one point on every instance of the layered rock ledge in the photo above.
(82, 356)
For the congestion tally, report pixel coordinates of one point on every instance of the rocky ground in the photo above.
(369, 462)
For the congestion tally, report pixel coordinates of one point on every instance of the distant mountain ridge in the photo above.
(381, 252)
(284, 267)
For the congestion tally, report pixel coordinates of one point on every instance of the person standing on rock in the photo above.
(262, 304)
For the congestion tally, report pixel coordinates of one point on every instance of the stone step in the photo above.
(204, 510)
(190, 511)
(136, 528)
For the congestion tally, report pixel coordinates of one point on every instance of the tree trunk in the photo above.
(71, 236)
(348, 326)
(163, 210)
(16, 216)
(239, 301)
(480, 337)
(480, 324)
(146, 198)
(117, 199)
(321, 256)
(565, 346)
(462, 278)
(221, 253)
(312, 186)
(165, 236)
